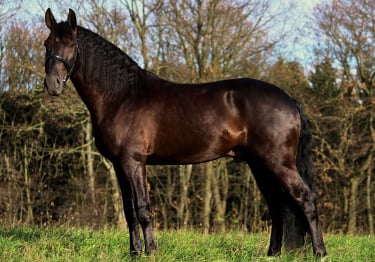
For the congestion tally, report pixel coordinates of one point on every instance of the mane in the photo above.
(106, 64)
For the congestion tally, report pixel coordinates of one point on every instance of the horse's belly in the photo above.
(176, 159)
(196, 148)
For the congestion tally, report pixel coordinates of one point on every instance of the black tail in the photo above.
(296, 230)
(304, 160)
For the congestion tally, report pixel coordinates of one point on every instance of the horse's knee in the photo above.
(144, 216)
(307, 201)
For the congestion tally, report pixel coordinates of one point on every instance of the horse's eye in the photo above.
(57, 40)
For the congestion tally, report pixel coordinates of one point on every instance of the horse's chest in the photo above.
(117, 137)
(106, 141)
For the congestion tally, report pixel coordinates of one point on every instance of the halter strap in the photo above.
(68, 67)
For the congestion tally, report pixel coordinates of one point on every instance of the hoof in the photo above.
(320, 254)
(135, 253)
(151, 252)
(273, 253)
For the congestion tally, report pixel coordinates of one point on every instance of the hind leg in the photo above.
(292, 182)
(271, 191)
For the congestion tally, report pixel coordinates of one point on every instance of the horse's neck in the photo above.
(90, 98)
(106, 76)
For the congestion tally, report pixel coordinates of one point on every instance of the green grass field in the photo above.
(59, 244)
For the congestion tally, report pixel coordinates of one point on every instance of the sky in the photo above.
(298, 45)
(301, 43)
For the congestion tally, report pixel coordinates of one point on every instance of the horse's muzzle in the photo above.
(54, 85)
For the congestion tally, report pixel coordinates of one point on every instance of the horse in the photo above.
(141, 119)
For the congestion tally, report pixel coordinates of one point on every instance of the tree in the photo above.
(210, 40)
(8, 9)
(348, 37)
(141, 13)
(323, 78)
(22, 62)
(110, 22)
(288, 75)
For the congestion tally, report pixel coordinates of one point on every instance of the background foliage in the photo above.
(51, 173)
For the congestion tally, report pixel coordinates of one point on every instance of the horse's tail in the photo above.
(296, 229)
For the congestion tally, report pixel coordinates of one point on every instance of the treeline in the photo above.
(51, 173)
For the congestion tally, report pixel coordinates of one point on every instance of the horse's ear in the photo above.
(72, 20)
(50, 19)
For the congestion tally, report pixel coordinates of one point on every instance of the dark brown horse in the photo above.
(139, 119)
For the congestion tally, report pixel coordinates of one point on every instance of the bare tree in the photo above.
(348, 37)
(8, 9)
(212, 40)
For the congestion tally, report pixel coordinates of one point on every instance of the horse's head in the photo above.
(61, 52)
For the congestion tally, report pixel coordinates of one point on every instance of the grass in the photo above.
(61, 244)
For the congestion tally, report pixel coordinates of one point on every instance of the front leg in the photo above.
(135, 173)
(130, 214)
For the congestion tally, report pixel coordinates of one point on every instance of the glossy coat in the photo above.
(139, 119)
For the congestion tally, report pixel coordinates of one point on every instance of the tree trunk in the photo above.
(209, 170)
(27, 181)
(365, 172)
(246, 199)
(220, 192)
(90, 166)
(370, 211)
(256, 199)
(182, 214)
(352, 214)
(117, 199)
(369, 171)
